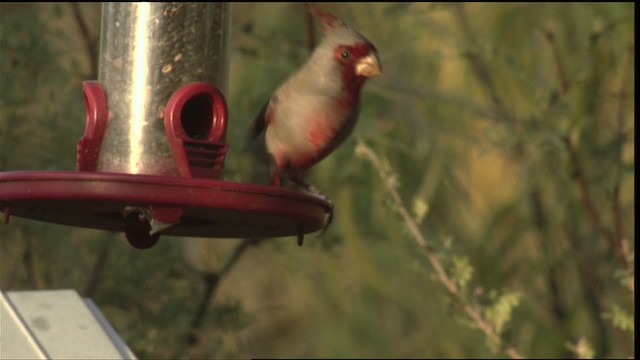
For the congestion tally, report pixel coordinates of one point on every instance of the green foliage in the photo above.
(620, 318)
(462, 271)
(420, 209)
(582, 349)
(506, 129)
(499, 313)
(40, 93)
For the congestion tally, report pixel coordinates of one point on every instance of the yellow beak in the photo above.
(369, 66)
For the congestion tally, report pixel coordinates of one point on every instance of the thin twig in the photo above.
(586, 267)
(90, 44)
(622, 136)
(30, 266)
(449, 283)
(562, 76)
(553, 275)
(627, 254)
(587, 203)
(480, 67)
(98, 266)
(617, 216)
(622, 92)
(211, 281)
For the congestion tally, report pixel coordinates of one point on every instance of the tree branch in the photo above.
(578, 174)
(480, 67)
(211, 281)
(450, 284)
(89, 43)
(98, 266)
(28, 260)
(562, 76)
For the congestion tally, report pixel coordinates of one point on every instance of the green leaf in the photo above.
(462, 270)
(499, 314)
(582, 349)
(620, 318)
(420, 209)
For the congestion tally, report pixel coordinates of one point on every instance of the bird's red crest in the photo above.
(328, 20)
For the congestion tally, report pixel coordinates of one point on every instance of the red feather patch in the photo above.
(320, 133)
(348, 55)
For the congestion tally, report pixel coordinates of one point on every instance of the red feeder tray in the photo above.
(205, 208)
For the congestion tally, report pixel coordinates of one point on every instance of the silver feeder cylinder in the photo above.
(148, 50)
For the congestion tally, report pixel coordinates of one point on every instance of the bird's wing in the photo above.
(258, 127)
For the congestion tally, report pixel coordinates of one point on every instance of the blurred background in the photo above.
(506, 129)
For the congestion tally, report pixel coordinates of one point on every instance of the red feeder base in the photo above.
(201, 207)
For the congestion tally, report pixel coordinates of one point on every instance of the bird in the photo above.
(316, 109)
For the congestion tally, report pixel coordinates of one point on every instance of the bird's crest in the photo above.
(328, 21)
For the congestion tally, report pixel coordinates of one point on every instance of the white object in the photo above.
(56, 324)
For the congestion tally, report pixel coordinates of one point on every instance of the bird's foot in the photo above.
(314, 190)
(329, 218)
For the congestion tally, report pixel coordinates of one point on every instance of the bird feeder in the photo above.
(151, 159)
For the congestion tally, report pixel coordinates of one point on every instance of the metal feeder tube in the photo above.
(148, 50)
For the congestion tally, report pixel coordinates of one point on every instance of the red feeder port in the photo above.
(195, 122)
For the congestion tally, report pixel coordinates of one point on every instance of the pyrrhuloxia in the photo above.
(316, 109)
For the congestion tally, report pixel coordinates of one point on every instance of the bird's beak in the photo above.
(369, 66)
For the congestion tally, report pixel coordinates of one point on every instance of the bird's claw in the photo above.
(329, 218)
(329, 213)
(314, 190)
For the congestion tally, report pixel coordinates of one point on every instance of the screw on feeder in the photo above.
(7, 213)
(301, 235)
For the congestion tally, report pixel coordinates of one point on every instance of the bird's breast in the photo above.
(321, 132)
(301, 136)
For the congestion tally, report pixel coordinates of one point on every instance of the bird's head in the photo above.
(355, 54)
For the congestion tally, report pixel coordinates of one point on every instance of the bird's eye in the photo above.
(345, 55)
